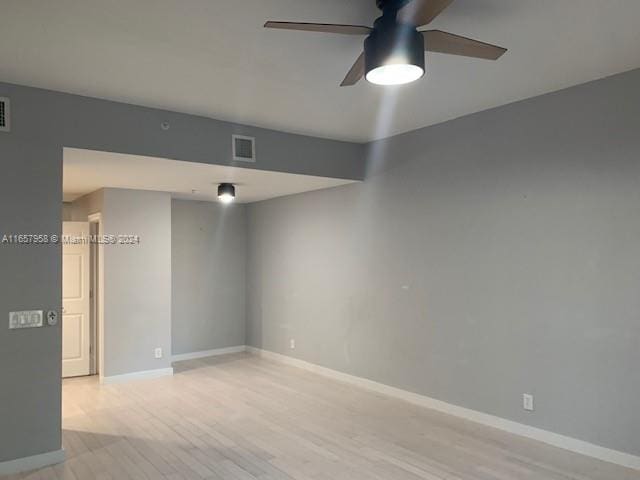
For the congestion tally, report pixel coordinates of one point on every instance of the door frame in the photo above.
(97, 300)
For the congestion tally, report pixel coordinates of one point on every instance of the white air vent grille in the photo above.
(244, 149)
(5, 112)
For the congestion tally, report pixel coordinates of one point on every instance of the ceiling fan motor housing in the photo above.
(391, 4)
(393, 43)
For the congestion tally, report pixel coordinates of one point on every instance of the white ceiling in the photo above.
(85, 171)
(212, 57)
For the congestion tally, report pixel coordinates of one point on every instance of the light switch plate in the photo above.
(25, 319)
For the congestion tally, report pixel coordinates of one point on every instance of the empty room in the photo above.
(304, 240)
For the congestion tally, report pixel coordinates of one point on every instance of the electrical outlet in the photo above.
(292, 344)
(158, 352)
(527, 402)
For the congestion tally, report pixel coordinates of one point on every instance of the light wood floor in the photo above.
(240, 417)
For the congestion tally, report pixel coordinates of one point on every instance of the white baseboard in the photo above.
(143, 375)
(208, 353)
(31, 463)
(550, 438)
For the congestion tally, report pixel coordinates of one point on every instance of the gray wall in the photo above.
(137, 281)
(30, 360)
(207, 281)
(487, 257)
(208, 276)
(83, 122)
(80, 209)
(67, 212)
(43, 122)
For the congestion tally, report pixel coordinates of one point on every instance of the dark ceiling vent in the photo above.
(5, 124)
(244, 149)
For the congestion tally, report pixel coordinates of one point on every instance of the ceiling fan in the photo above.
(394, 48)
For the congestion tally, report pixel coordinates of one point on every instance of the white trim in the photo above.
(208, 353)
(99, 295)
(31, 463)
(143, 375)
(555, 439)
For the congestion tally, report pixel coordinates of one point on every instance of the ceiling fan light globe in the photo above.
(395, 74)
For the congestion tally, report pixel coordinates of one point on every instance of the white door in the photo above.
(76, 327)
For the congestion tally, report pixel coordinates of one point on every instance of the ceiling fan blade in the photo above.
(443, 42)
(320, 27)
(355, 74)
(422, 12)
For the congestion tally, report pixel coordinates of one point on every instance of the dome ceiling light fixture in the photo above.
(226, 192)
(394, 47)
